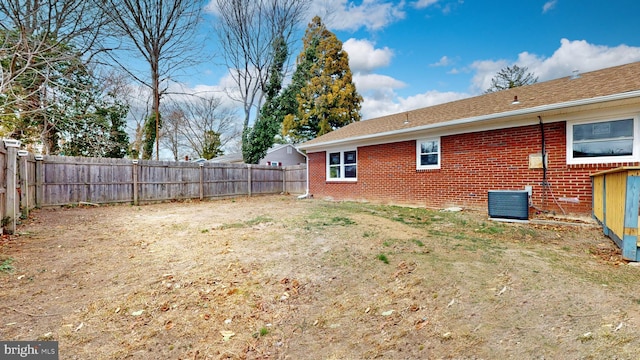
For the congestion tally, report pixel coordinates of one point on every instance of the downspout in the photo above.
(306, 194)
(544, 155)
(545, 184)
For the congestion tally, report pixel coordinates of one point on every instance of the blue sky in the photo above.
(412, 54)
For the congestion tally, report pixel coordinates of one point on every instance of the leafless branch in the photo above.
(246, 31)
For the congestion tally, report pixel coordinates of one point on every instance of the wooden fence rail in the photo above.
(60, 180)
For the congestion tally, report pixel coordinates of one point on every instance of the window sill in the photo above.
(427, 169)
(603, 165)
(343, 181)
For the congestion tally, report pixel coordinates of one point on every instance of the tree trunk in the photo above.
(155, 83)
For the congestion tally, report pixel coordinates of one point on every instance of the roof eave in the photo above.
(477, 119)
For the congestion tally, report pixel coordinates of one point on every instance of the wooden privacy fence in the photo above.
(60, 180)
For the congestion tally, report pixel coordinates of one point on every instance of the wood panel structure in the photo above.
(68, 180)
(295, 178)
(616, 197)
(62, 180)
(10, 180)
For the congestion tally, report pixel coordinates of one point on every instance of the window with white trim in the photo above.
(602, 141)
(428, 154)
(342, 165)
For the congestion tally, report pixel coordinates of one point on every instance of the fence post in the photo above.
(201, 180)
(39, 181)
(249, 180)
(284, 180)
(11, 204)
(24, 183)
(135, 181)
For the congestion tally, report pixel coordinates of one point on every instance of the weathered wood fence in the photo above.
(29, 181)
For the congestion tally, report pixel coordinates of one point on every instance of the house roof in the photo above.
(229, 158)
(237, 157)
(282, 146)
(591, 87)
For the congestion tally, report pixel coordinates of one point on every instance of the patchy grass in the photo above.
(6, 265)
(249, 223)
(283, 278)
(383, 258)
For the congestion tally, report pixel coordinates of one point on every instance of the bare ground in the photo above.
(280, 278)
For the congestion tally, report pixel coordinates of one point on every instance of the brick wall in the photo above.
(471, 164)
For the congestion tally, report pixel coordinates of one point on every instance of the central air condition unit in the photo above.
(509, 204)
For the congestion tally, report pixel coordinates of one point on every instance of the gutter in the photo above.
(306, 194)
(527, 111)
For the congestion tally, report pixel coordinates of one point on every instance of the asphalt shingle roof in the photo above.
(609, 81)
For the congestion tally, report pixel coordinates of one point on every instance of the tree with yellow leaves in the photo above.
(321, 96)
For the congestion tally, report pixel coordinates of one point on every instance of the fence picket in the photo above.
(68, 180)
(64, 180)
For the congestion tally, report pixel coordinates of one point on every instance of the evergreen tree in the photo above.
(118, 146)
(212, 146)
(258, 139)
(327, 98)
(56, 100)
(97, 131)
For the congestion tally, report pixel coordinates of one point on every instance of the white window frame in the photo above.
(419, 142)
(342, 178)
(635, 156)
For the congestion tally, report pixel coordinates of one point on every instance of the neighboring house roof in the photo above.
(229, 158)
(612, 84)
(281, 146)
(237, 157)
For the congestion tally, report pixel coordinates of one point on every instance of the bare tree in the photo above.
(163, 33)
(247, 30)
(172, 138)
(511, 77)
(42, 42)
(190, 124)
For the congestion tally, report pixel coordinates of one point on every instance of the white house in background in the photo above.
(279, 155)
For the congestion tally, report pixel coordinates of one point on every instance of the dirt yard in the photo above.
(281, 278)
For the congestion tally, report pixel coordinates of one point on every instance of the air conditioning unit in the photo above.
(509, 204)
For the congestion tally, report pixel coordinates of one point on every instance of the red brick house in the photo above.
(453, 154)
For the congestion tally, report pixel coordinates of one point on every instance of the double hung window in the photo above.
(428, 154)
(342, 165)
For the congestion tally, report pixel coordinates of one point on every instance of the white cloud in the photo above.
(485, 70)
(549, 5)
(390, 103)
(430, 98)
(571, 55)
(225, 90)
(421, 4)
(578, 55)
(364, 57)
(372, 82)
(444, 61)
(211, 8)
(346, 15)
